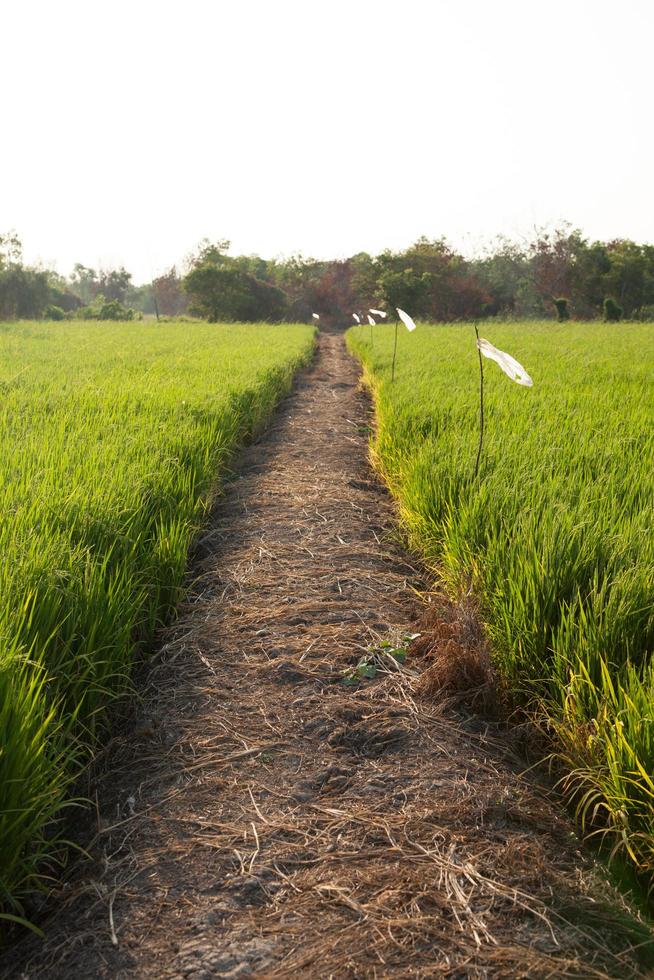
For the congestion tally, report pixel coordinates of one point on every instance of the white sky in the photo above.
(131, 130)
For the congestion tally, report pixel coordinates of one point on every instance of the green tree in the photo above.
(114, 284)
(84, 282)
(588, 289)
(24, 292)
(504, 272)
(404, 288)
(219, 290)
(627, 279)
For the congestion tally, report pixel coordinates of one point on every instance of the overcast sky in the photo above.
(131, 130)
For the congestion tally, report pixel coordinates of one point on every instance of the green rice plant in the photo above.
(112, 441)
(554, 541)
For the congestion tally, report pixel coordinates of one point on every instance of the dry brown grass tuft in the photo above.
(454, 658)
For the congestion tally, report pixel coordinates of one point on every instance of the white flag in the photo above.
(371, 321)
(357, 317)
(316, 316)
(508, 364)
(379, 313)
(406, 319)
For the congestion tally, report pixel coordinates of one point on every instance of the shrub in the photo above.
(52, 312)
(102, 309)
(562, 309)
(612, 311)
(114, 310)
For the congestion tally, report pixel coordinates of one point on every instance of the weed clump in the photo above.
(612, 311)
(562, 310)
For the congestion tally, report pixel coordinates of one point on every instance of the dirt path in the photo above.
(265, 820)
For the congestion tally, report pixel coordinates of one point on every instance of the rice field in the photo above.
(553, 542)
(112, 441)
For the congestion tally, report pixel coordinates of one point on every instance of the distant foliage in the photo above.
(612, 311)
(61, 295)
(220, 290)
(112, 284)
(562, 309)
(430, 279)
(169, 297)
(26, 292)
(646, 314)
(53, 312)
(113, 310)
(105, 310)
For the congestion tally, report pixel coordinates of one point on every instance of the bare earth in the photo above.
(263, 819)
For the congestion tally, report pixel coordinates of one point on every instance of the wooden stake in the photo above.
(481, 403)
(394, 351)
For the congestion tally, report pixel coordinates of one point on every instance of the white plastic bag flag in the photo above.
(379, 313)
(357, 317)
(316, 316)
(371, 321)
(406, 319)
(509, 365)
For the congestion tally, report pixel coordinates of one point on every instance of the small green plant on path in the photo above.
(381, 657)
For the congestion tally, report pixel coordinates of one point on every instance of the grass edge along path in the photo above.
(560, 578)
(115, 439)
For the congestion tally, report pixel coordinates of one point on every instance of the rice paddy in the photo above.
(552, 542)
(113, 439)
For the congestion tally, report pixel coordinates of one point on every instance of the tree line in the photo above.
(559, 274)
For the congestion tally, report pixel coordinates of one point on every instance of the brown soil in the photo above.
(261, 818)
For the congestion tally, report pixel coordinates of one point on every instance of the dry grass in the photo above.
(454, 659)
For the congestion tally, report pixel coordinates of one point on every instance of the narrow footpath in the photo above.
(261, 818)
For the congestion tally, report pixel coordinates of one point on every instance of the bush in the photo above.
(52, 312)
(102, 309)
(114, 310)
(562, 309)
(612, 311)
